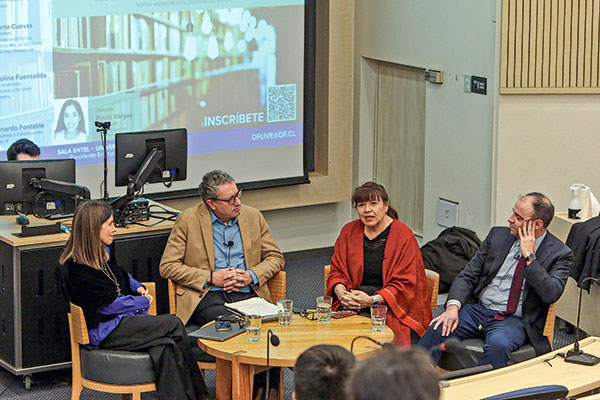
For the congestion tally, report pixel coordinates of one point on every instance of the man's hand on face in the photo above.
(527, 237)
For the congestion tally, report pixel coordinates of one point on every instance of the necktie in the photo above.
(515, 291)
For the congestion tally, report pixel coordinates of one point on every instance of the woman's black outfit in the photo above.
(163, 337)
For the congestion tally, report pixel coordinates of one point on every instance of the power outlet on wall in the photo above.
(447, 212)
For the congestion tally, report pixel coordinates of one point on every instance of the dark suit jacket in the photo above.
(545, 279)
(583, 239)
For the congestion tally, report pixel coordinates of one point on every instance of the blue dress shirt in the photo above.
(229, 256)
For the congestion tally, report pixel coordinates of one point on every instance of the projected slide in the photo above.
(231, 72)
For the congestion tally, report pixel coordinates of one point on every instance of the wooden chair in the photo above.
(276, 285)
(433, 287)
(79, 336)
(433, 284)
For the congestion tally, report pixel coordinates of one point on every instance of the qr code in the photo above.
(281, 103)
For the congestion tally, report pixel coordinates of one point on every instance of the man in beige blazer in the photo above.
(219, 251)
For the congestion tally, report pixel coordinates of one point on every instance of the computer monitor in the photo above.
(133, 148)
(20, 187)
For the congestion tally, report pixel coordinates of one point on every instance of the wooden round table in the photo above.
(238, 360)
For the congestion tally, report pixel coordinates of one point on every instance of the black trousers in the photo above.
(212, 306)
(164, 338)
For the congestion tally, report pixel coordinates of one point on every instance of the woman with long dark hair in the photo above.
(377, 260)
(116, 306)
(70, 126)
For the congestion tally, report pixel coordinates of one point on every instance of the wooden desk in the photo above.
(33, 313)
(566, 307)
(237, 359)
(535, 372)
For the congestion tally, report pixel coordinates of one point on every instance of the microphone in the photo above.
(575, 355)
(272, 339)
(451, 344)
(228, 244)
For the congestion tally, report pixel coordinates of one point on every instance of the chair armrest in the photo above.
(276, 286)
(151, 286)
(79, 331)
(172, 297)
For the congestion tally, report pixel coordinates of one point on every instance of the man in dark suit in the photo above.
(503, 294)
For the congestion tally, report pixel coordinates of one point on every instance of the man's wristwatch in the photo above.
(530, 257)
(375, 300)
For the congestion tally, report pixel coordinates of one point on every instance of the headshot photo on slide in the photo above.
(70, 116)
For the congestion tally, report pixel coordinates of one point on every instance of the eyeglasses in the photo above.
(223, 322)
(310, 315)
(231, 200)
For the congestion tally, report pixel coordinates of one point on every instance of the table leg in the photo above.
(223, 379)
(242, 380)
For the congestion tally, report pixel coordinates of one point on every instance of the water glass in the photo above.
(378, 314)
(253, 323)
(324, 308)
(284, 311)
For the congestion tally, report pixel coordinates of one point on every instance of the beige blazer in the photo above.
(190, 255)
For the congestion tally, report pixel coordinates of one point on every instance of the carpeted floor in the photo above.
(304, 284)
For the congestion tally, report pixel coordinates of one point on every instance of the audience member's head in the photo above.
(405, 373)
(23, 149)
(320, 373)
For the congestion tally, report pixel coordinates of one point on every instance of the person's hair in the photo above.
(407, 373)
(542, 207)
(84, 245)
(321, 372)
(373, 191)
(60, 124)
(210, 181)
(22, 146)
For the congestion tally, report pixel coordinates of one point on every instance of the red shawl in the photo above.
(404, 283)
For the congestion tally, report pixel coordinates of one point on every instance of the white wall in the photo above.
(546, 143)
(311, 227)
(457, 37)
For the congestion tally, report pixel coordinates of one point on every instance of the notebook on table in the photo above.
(254, 306)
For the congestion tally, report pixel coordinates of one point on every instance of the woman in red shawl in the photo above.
(377, 260)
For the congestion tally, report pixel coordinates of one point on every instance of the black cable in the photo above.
(164, 182)
(35, 200)
(356, 338)
(164, 210)
(547, 360)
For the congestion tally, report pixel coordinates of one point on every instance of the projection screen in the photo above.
(229, 71)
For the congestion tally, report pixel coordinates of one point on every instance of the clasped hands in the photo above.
(144, 292)
(231, 279)
(353, 299)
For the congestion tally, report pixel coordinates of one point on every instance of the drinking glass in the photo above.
(284, 311)
(378, 314)
(253, 323)
(324, 308)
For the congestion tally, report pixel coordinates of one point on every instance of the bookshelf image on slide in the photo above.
(164, 69)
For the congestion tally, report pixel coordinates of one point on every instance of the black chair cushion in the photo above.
(471, 350)
(197, 352)
(117, 367)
